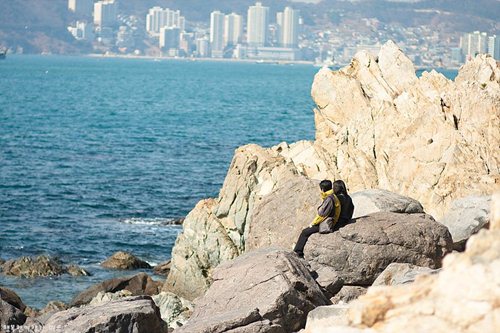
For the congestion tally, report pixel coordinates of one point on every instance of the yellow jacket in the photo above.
(324, 211)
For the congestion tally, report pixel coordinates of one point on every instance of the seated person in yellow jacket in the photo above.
(328, 215)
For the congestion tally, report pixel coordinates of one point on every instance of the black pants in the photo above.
(304, 235)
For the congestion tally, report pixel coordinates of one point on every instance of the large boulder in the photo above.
(360, 251)
(463, 297)
(124, 260)
(11, 309)
(466, 217)
(376, 200)
(266, 290)
(401, 273)
(139, 284)
(137, 314)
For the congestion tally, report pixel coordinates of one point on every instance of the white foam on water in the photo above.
(149, 221)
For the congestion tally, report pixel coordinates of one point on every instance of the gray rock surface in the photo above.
(400, 273)
(360, 251)
(376, 200)
(466, 217)
(267, 290)
(139, 284)
(325, 316)
(137, 314)
(124, 260)
(347, 294)
(329, 280)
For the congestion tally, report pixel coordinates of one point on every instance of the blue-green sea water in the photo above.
(98, 154)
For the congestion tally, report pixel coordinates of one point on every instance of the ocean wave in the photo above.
(153, 221)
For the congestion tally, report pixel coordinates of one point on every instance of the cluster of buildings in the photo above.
(262, 35)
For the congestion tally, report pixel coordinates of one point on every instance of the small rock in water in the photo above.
(163, 268)
(75, 270)
(33, 267)
(124, 260)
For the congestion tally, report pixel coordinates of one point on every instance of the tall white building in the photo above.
(105, 13)
(233, 29)
(474, 43)
(494, 47)
(82, 31)
(81, 7)
(257, 25)
(158, 18)
(202, 47)
(279, 28)
(217, 33)
(290, 28)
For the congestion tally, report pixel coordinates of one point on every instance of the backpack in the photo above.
(328, 224)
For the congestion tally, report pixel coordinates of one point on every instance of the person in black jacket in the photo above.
(346, 205)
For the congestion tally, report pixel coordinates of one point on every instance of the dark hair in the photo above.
(339, 187)
(325, 185)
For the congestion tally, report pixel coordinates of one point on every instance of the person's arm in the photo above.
(324, 211)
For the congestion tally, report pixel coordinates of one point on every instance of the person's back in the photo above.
(346, 204)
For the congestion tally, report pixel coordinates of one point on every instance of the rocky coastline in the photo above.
(421, 157)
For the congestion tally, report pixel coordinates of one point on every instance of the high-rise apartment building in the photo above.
(279, 27)
(290, 27)
(169, 38)
(494, 47)
(474, 43)
(158, 18)
(217, 33)
(81, 7)
(105, 13)
(233, 29)
(257, 25)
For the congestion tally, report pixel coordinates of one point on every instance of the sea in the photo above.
(99, 155)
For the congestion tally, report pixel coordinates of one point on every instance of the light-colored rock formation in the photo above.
(401, 273)
(464, 297)
(376, 200)
(360, 251)
(175, 310)
(266, 290)
(347, 294)
(139, 284)
(326, 316)
(429, 138)
(378, 126)
(137, 314)
(124, 260)
(466, 217)
(103, 297)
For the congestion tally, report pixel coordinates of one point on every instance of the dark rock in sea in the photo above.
(11, 308)
(360, 251)
(347, 294)
(75, 270)
(267, 290)
(163, 268)
(137, 314)
(139, 284)
(32, 267)
(124, 260)
(178, 221)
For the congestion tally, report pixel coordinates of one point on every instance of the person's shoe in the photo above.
(300, 255)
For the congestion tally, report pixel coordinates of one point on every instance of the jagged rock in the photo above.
(163, 268)
(347, 294)
(48, 311)
(466, 217)
(326, 316)
(400, 273)
(376, 200)
(124, 260)
(429, 138)
(32, 267)
(11, 308)
(360, 251)
(266, 290)
(329, 280)
(463, 297)
(133, 314)
(175, 310)
(139, 284)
